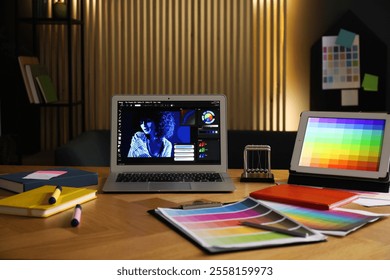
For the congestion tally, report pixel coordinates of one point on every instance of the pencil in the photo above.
(275, 229)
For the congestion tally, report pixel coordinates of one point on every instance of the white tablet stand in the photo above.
(257, 164)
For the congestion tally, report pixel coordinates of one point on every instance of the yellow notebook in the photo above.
(35, 202)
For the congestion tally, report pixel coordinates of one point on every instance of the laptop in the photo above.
(168, 143)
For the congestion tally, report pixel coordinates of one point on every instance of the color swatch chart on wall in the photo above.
(219, 229)
(340, 64)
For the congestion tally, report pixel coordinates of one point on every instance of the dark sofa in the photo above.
(92, 148)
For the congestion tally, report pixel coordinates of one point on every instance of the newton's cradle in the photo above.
(257, 164)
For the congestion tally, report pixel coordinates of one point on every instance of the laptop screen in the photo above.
(170, 132)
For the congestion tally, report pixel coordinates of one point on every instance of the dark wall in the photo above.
(376, 15)
(374, 21)
(373, 60)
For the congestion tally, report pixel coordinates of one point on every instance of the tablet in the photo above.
(343, 144)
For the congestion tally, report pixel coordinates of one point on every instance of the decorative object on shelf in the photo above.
(59, 10)
(257, 164)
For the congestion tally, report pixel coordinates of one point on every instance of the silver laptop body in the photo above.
(168, 134)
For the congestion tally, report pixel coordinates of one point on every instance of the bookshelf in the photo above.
(58, 42)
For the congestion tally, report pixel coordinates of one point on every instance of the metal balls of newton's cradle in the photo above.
(257, 164)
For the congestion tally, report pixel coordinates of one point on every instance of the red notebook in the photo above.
(310, 197)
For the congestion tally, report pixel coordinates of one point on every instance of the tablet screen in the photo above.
(346, 144)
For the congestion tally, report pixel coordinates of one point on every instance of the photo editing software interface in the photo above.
(168, 132)
(342, 143)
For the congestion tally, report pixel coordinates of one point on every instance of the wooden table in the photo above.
(117, 226)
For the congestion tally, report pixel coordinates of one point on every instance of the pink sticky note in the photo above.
(44, 174)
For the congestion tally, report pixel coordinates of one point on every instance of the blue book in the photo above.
(72, 177)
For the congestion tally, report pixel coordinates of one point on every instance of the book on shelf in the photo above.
(23, 181)
(35, 203)
(305, 196)
(47, 88)
(23, 61)
(33, 71)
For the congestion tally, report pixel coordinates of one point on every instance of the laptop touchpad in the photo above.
(158, 186)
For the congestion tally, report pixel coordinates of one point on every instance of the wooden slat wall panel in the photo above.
(269, 75)
(235, 47)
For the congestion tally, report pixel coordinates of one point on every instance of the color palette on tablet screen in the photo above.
(341, 143)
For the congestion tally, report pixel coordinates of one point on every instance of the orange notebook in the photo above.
(310, 197)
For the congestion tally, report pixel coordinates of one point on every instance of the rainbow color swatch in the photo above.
(342, 143)
(335, 222)
(220, 229)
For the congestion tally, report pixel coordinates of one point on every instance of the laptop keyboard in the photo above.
(169, 177)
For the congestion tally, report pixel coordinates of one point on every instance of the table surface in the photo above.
(117, 226)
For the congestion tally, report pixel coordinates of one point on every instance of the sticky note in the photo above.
(349, 97)
(44, 174)
(370, 82)
(345, 38)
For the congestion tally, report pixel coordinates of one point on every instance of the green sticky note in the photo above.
(370, 82)
(345, 38)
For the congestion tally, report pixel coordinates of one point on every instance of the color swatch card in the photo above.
(220, 229)
(340, 64)
(370, 82)
(338, 222)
